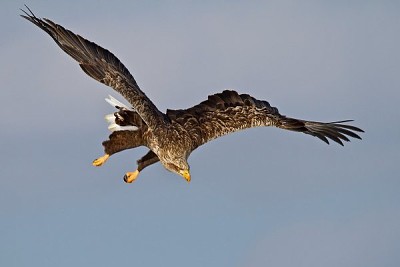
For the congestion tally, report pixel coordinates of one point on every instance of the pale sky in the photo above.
(261, 197)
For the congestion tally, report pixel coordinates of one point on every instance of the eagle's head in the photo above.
(179, 166)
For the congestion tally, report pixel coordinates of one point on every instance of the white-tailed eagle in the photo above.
(173, 135)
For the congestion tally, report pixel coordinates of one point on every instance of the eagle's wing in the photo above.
(223, 113)
(101, 65)
(228, 112)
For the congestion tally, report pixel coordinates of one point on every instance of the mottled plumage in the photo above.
(172, 136)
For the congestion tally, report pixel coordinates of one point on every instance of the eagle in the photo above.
(172, 136)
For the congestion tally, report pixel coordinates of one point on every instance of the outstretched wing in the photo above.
(223, 113)
(101, 65)
(228, 112)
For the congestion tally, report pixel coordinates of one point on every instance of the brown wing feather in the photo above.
(228, 112)
(101, 65)
(223, 113)
(336, 131)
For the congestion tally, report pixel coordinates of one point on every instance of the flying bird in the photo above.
(172, 136)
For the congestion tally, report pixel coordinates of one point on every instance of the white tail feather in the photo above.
(113, 127)
(115, 103)
(110, 118)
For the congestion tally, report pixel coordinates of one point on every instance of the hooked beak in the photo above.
(185, 174)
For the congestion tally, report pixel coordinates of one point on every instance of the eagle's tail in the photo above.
(337, 131)
(125, 119)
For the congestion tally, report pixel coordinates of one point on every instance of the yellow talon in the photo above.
(131, 176)
(100, 161)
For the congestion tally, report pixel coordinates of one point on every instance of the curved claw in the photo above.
(131, 176)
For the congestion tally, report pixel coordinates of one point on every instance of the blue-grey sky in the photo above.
(261, 197)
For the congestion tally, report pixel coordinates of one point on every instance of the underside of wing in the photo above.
(101, 65)
(223, 113)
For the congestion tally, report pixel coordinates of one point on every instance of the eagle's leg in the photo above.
(145, 161)
(118, 141)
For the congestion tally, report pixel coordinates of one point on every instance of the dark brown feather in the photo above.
(101, 65)
(121, 140)
(335, 131)
(228, 112)
(221, 114)
(146, 160)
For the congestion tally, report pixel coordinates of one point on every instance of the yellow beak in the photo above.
(185, 174)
